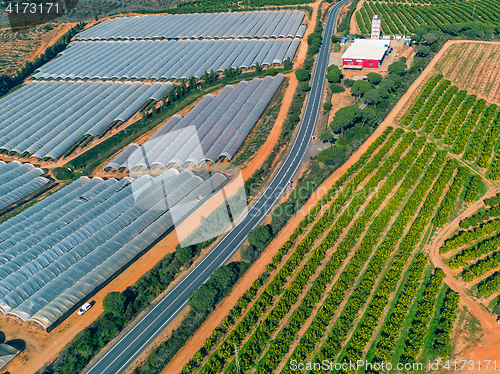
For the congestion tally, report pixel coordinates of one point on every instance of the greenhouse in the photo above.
(44, 119)
(263, 24)
(161, 59)
(216, 127)
(17, 181)
(57, 252)
(7, 353)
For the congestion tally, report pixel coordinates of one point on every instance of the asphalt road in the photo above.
(129, 346)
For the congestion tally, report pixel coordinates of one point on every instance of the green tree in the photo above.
(259, 236)
(335, 39)
(369, 116)
(374, 78)
(326, 135)
(327, 106)
(382, 91)
(336, 88)
(114, 303)
(223, 278)
(304, 86)
(333, 77)
(372, 97)
(422, 50)
(302, 75)
(258, 67)
(345, 118)
(184, 254)
(388, 84)
(359, 88)
(155, 111)
(287, 64)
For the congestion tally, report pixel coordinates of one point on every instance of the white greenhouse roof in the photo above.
(365, 52)
(378, 42)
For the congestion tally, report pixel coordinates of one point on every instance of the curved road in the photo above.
(129, 346)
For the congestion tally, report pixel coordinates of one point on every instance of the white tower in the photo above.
(376, 26)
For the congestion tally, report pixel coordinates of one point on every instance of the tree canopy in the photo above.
(374, 78)
(259, 236)
(359, 88)
(114, 303)
(302, 75)
(345, 117)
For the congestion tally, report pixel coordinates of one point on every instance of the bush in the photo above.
(302, 75)
(327, 106)
(336, 88)
(333, 77)
(335, 39)
(114, 303)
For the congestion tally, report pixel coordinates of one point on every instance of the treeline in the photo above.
(8, 82)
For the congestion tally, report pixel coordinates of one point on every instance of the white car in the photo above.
(84, 308)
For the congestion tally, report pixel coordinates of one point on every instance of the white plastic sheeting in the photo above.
(18, 181)
(215, 127)
(214, 25)
(46, 118)
(57, 252)
(7, 353)
(160, 59)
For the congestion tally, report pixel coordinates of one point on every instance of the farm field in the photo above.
(473, 67)
(341, 286)
(415, 13)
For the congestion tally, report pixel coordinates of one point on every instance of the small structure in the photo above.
(365, 53)
(343, 40)
(376, 26)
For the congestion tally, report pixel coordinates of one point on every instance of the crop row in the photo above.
(388, 284)
(492, 201)
(481, 267)
(495, 168)
(418, 122)
(473, 189)
(286, 336)
(259, 340)
(480, 217)
(420, 325)
(449, 312)
(448, 114)
(471, 253)
(359, 297)
(484, 124)
(489, 285)
(451, 197)
(243, 328)
(467, 128)
(319, 324)
(439, 109)
(419, 103)
(467, 237)
(397, 319)
(458, 120)
(489, 143)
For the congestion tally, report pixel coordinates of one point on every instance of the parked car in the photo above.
(84, 308)
(498, 320)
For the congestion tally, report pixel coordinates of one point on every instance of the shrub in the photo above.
(302, 75)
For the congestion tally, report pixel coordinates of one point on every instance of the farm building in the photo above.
(365, 54)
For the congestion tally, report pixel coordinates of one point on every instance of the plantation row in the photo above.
(420, 325)
(484, 247)
(389, 282)
(492, 201)
(465, 124)
(468, 237)
(396, 16)
(358, 299)
(397, 319)
(253, 349)
(322, 319)
(481, 267)
(244, 327)
(449, 312)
